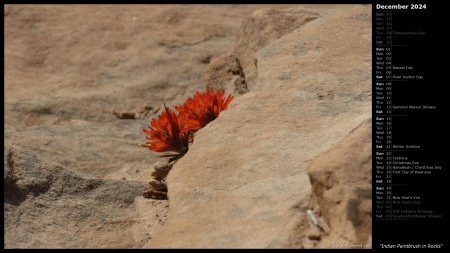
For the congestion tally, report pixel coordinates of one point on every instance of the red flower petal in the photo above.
(165, 135)
(173, 133)
(203, 108)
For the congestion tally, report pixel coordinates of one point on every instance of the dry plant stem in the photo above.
(158, 184)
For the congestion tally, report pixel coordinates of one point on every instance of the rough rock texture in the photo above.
(82, 81)
(341, 180)
(236, 71)
(47, 205)
(243, 183)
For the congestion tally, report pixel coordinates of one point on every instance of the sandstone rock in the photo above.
(66, 65)
(341, 180)
(243, 183)
(67, 69)
(262, 28)
(47, 205)
(237, 71)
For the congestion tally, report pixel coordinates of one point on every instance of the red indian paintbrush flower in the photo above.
(174, 133)
(203, 108)
(165, 134)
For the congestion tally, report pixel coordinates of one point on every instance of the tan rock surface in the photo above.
(82, 81)
(243, 183)
(341, 180)
(47, 205)
(236, 71)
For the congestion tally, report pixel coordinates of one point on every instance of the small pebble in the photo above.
(127, 115)
(314, 236)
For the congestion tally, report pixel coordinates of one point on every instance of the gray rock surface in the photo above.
(47, 205)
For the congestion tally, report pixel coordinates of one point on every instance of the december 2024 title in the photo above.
(401, 6)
